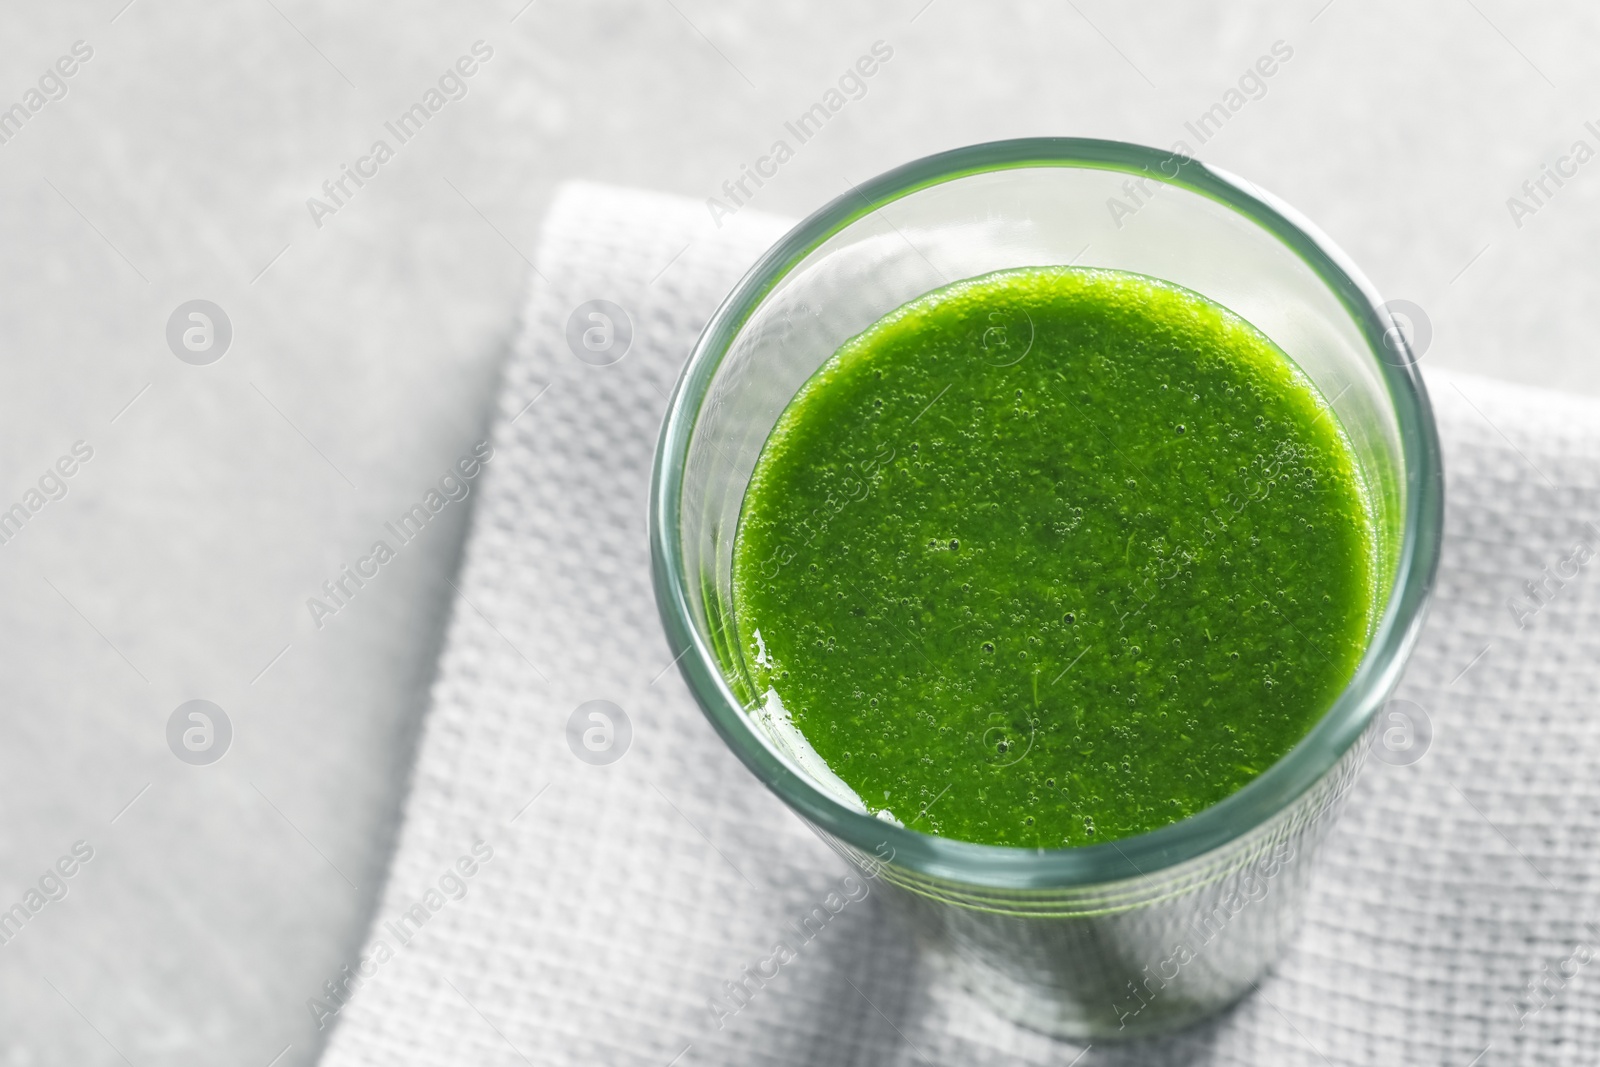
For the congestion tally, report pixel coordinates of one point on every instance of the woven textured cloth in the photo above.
(548, 910)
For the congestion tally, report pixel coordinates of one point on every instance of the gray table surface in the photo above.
(365, 353)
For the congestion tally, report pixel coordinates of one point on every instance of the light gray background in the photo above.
(365, 354)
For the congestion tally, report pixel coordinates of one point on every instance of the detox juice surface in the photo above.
(1054, 556)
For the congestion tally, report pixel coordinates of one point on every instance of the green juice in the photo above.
(1053, 556)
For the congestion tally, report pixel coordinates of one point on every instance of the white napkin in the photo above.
(1451, 913)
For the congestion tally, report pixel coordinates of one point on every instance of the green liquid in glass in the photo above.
(1054, 556)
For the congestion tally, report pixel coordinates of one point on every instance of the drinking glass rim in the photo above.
(1002, 866)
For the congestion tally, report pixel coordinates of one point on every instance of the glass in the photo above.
(1151, 932)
